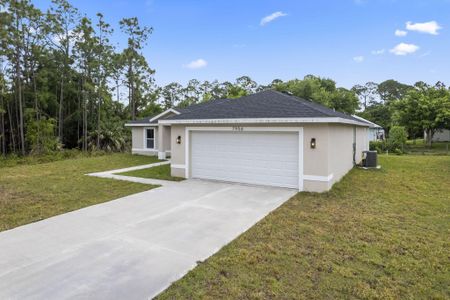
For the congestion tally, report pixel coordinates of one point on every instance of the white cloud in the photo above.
(404, 49)
(272, 17)
(399, 32)
(425, 54)
(197, 64)
(431, 27)
(358, 59)
(378, 52)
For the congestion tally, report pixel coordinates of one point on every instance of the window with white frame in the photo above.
(150, 138)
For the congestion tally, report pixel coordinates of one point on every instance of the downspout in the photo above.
(354, 145)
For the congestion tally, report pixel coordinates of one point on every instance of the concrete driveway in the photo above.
(132, 247)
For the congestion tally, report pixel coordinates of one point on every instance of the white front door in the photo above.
(261, 157)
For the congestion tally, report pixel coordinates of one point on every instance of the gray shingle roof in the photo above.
(265, 104)
(143, 121)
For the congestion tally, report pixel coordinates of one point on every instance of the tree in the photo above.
(367, 93)
(16, 23)
(135, 63)
(246, 84)
(426, 108)
(397, 138)
(85, 54)
(62, 19)
(378, 113)
(323, 91)
(104, 57)
(171, 95)
(391, 90)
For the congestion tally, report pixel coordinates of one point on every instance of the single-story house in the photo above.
(268, 138)
(441, 135)
(375, 132)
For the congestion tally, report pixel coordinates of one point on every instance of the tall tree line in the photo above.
(59, 73)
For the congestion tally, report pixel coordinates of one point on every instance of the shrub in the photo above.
(40, 136)
(379, 146)
(397, 139)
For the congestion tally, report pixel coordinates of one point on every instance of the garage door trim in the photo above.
(237, 128)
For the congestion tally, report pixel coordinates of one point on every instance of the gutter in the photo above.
(264, 121)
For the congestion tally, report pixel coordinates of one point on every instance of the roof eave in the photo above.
(264, 121)
(167, 111)
(141, 125)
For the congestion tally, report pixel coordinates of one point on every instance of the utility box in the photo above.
(370, 159)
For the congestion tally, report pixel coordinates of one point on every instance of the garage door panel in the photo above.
(268, 158)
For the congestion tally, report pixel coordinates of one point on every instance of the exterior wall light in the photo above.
(178, 140)
(313, 143)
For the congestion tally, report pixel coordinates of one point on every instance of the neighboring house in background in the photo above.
(376, 132)
(441, 135)
(267, 138)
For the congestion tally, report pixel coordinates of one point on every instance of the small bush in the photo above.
(379, 146)
(397, 139)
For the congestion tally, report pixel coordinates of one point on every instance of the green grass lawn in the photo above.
(30, 193)
(160, 172)
(379, 234)
(419, 147)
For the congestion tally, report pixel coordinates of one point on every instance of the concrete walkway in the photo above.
(112, 174)
(132, 247)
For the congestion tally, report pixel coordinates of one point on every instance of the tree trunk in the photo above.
(11, 126)
(2, 125)
(429, 140)
(36, 104)
(60, 111)
(98, 122)
(19, 87)
(20, 100)
(84, 118)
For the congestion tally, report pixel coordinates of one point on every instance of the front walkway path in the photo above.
(113, 175)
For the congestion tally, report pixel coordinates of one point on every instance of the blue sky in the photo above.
(350, 41)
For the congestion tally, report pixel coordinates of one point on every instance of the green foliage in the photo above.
(378, 113)
(425, 108)
(379, 146)
(397, 139)
(391, 90)
(113, 136)
(41, 136)
(323, 91)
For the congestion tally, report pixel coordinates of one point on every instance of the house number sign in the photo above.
(238, 128)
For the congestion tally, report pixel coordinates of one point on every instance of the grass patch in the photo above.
(418, 147)
(379, 234)
(15, 160)
(30, 193)
(159, 172)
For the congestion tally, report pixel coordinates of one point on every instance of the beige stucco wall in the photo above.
(333, 154)
(340, 151)
(167, 138)
(137, 141)
(137, 137)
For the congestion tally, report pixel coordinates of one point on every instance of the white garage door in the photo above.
(266, 158)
